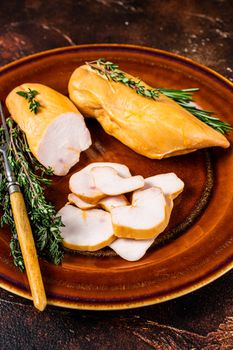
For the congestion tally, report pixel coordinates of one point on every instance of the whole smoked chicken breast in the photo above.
(154, 128)
(57, 133)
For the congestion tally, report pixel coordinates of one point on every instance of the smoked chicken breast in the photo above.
(57, 133)
(154, 128)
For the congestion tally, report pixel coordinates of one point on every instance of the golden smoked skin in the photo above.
(35, 125)
(155, 129)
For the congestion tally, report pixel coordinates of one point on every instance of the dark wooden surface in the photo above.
(201, 30)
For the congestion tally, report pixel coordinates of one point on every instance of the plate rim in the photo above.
(188, 60)
(212, 275)
(122, 305)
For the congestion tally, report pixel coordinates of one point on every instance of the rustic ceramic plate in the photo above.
(198, 245)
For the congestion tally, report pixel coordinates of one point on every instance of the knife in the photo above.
(22, 224)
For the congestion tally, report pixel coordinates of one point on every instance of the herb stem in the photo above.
(31, 176)
(18, 159)
(111, 72)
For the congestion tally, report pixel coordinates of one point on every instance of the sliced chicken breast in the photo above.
(145, 218)
(85, 229)
(169, 183)
(109, 182)
(73, 199)
(131, 249)
(83, 185)
(108, 203)
(57, 133)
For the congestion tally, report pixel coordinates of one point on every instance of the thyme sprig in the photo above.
(30, 97)
(32, 177)
(183, 97)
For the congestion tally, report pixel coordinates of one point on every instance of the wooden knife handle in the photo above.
(28, 249)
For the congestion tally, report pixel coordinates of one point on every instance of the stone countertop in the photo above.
(200, 30)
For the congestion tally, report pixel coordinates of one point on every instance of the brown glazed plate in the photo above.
(196, 248)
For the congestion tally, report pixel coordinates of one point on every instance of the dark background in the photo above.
(201, 30)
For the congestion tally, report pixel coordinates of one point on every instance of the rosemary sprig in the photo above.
(30, 96)
(183, 97)
(111, 72)
(32, 177)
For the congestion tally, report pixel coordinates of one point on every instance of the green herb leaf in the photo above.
(23, 94)
(184, 98)
(111, 71)
(32, 177)
(30, 96)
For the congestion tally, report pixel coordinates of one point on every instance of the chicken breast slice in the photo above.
(85, 229)
(109, 182)
(134, 249)
(146, 218)
(108, 203)
(169, 183)
(73, 199)
(82, 182)
(131, 249)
